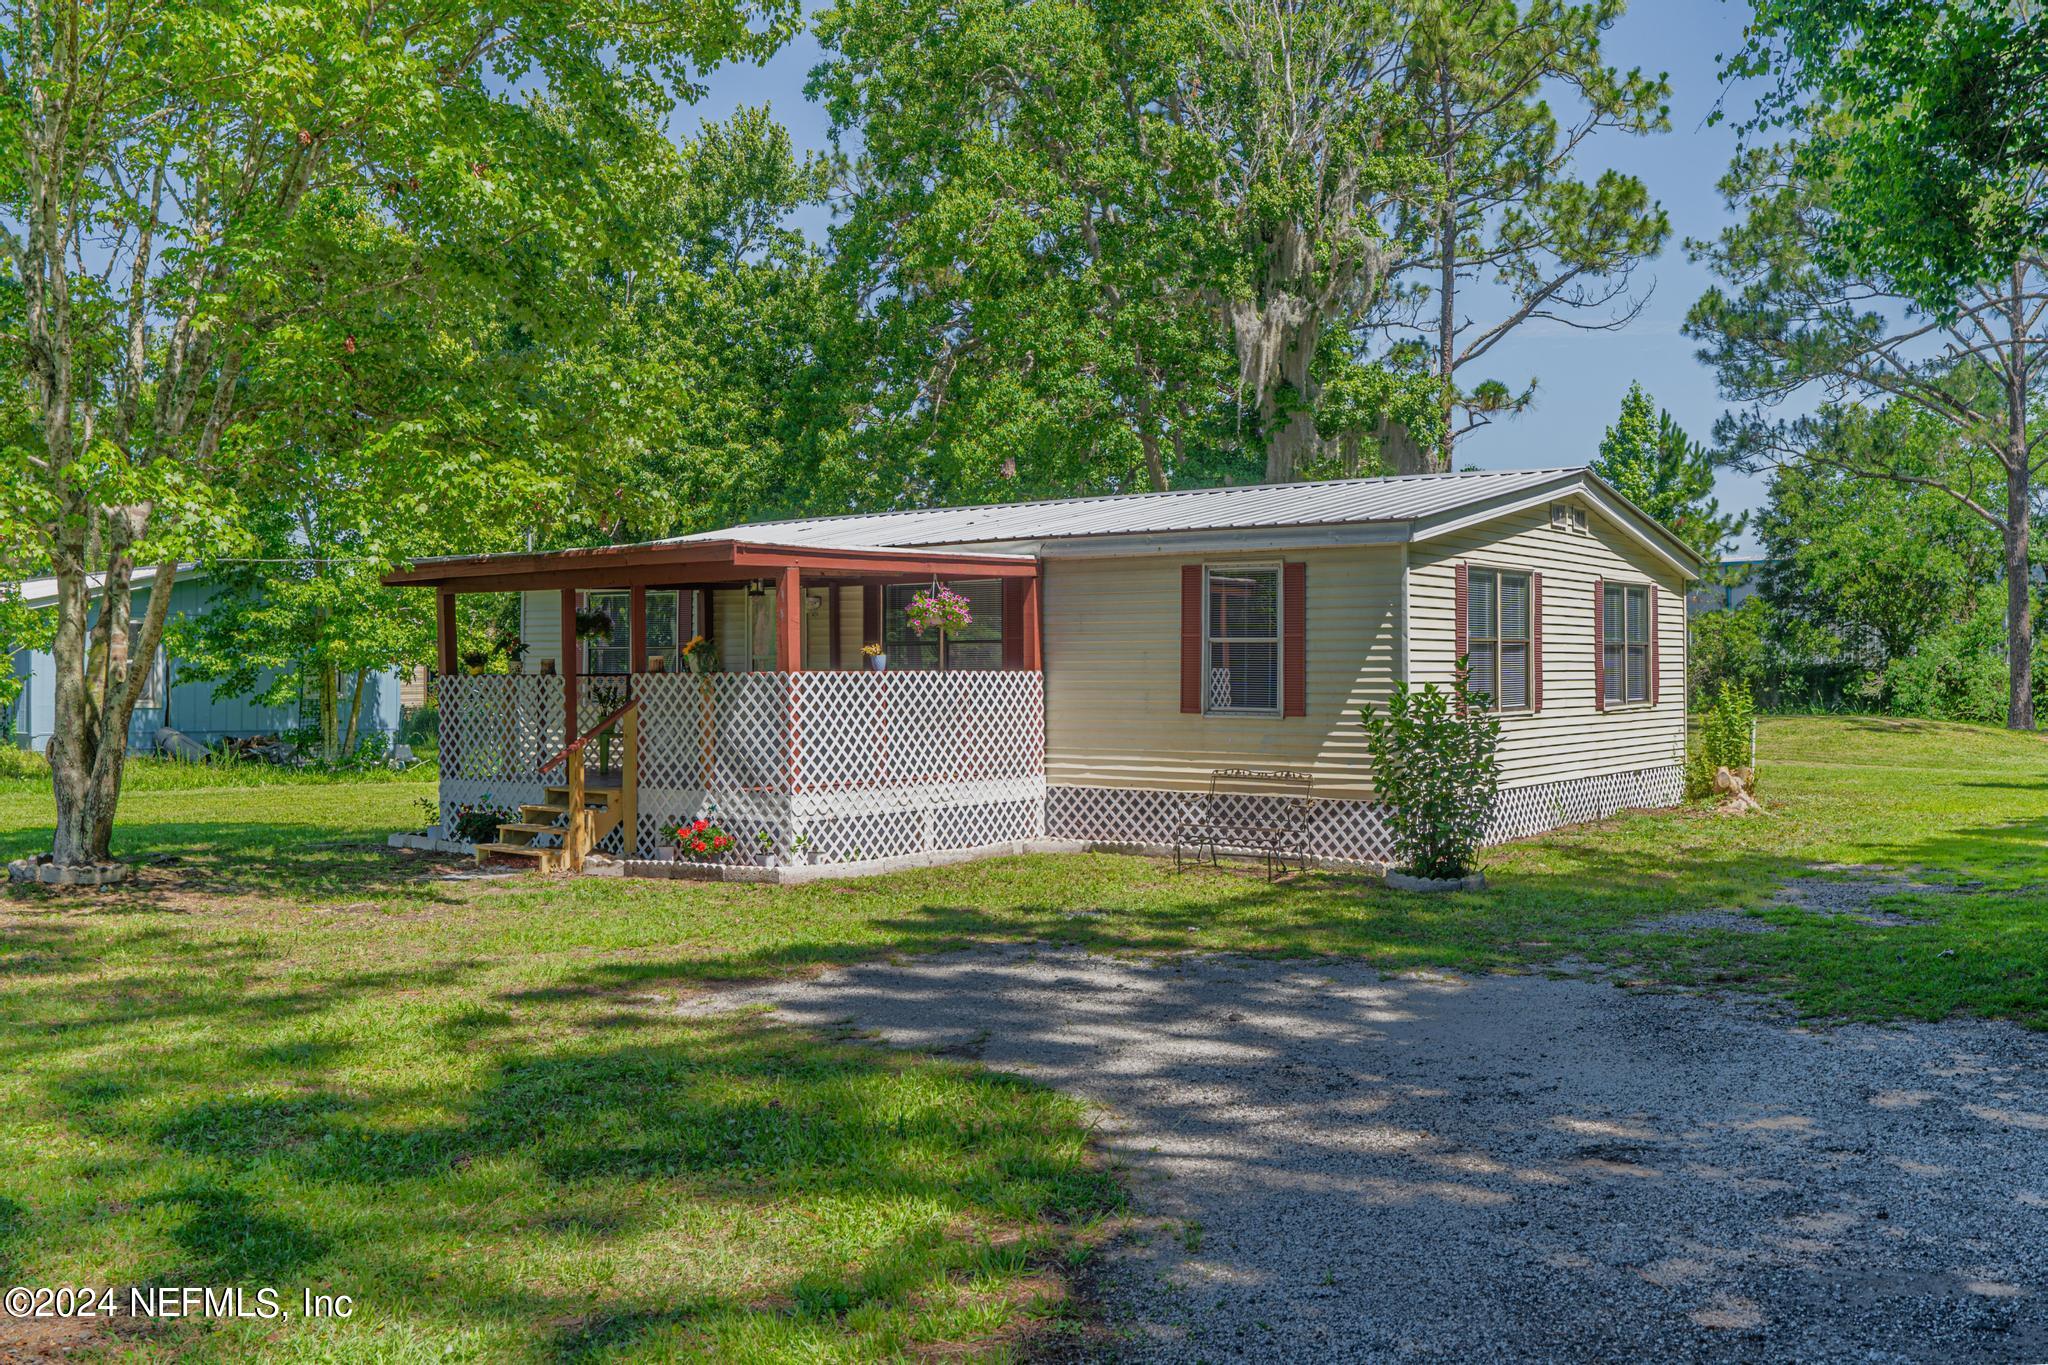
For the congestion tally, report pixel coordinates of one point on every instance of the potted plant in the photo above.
(476, 661)
(877, 659)
(939, 608)
(594, 623)
(697, 841)
(698, 655)
(1435, 769)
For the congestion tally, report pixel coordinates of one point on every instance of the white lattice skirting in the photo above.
(812, 767)
(1352, 831)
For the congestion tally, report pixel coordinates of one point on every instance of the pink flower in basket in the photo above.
(942, 610)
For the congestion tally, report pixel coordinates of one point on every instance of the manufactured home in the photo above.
(1122, 650)
(197, 710)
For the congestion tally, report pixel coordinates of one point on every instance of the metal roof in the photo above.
(1396, 498)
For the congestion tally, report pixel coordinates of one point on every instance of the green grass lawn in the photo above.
(290, 1058)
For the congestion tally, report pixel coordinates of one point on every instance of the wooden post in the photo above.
(636, 649)
(572, 667)
(789, 620)
(629, 785)
(1031, 641)
(444, 629)
(572, 833)
(832, 626)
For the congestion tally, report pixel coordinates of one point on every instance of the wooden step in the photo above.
(530, 827)
(607, 797)
(544, 859)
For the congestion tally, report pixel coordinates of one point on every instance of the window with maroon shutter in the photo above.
(1535, 642)
(1244, 632)
(1653, 644)
(1600, 644)
(1294, 640)
(1499, 638)
(1623, 635)
(1191, 637)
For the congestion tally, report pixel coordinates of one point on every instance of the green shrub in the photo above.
(1435, 770)
(18, 764)
(1723, 740)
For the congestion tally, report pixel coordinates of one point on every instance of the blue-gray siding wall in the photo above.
(192, 707)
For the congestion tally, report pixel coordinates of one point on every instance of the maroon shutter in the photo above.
(1535, 642)
(1653, 644)
(1599, 644)
(1191, 637)
(1013, 623)
(1462, 644)
(1294, 640)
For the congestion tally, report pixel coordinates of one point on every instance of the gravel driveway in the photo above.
(1334, 1165)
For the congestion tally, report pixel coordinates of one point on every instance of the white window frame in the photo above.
(1527, 641)
(622, 624)
(1209, 641)
(1608, 646)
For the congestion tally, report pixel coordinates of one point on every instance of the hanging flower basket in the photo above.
(594, 623)
(939, 609)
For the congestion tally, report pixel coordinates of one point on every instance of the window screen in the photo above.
(1625, 632)
(979, 646)
(1497, 638)
(1243, 639)
(612, 654)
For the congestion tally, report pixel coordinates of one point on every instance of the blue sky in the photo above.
(1581, 375)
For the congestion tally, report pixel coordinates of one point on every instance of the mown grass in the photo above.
(288, 1057)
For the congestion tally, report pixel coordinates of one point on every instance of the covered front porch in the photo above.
(775, 724)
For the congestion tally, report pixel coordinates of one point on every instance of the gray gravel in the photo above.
(1329, 1164)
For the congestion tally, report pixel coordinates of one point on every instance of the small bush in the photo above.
(1723, 741)
(1435, 769)
(22, 764)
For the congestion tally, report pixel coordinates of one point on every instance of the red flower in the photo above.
(698, 827)
(721, 841)
(699, 846)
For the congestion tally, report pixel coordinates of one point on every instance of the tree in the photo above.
(1931, 119)
(1508, 208)
(1166, 208)
(1874, 567)
(1793, 314)
(197, 178)
(1650, 460)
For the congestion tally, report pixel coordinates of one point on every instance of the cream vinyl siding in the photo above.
(1112, 673)
(1570, 737)
(540, 628)
(850, 606)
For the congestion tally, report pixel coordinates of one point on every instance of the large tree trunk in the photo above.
(70, 748)
(355, 713)
(330, 707)
(2019, 614)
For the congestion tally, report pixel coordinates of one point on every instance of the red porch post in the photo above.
(571, 667)
(789, 619)
(444, 630)
(636, 649)
(1032, 655)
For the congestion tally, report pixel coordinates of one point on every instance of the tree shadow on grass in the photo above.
(174, 862)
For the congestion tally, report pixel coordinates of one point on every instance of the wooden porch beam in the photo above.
(1031, 639)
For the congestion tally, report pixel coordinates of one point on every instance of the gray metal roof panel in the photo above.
(1397, 498)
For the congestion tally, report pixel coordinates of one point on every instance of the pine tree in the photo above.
(1651, 461)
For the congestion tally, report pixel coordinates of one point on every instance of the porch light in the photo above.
(754, 588)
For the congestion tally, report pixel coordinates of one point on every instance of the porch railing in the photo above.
(824, 765)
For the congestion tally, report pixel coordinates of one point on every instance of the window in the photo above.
(613, 653)
(1243, 640)
(979, 646)
(666, 615)
(761, 630)
(1497, 638)
(1564, 517)
(1625, 633)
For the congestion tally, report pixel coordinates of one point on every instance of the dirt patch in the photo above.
(1707, 922)
(1851, 890)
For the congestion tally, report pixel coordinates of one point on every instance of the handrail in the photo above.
(592, 733)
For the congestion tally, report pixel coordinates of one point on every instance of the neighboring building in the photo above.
(188, 707)
(1123, 649)
(1735, 582)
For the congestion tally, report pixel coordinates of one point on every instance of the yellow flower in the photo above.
(694, 641)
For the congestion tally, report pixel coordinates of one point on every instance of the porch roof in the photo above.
(718, 560)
